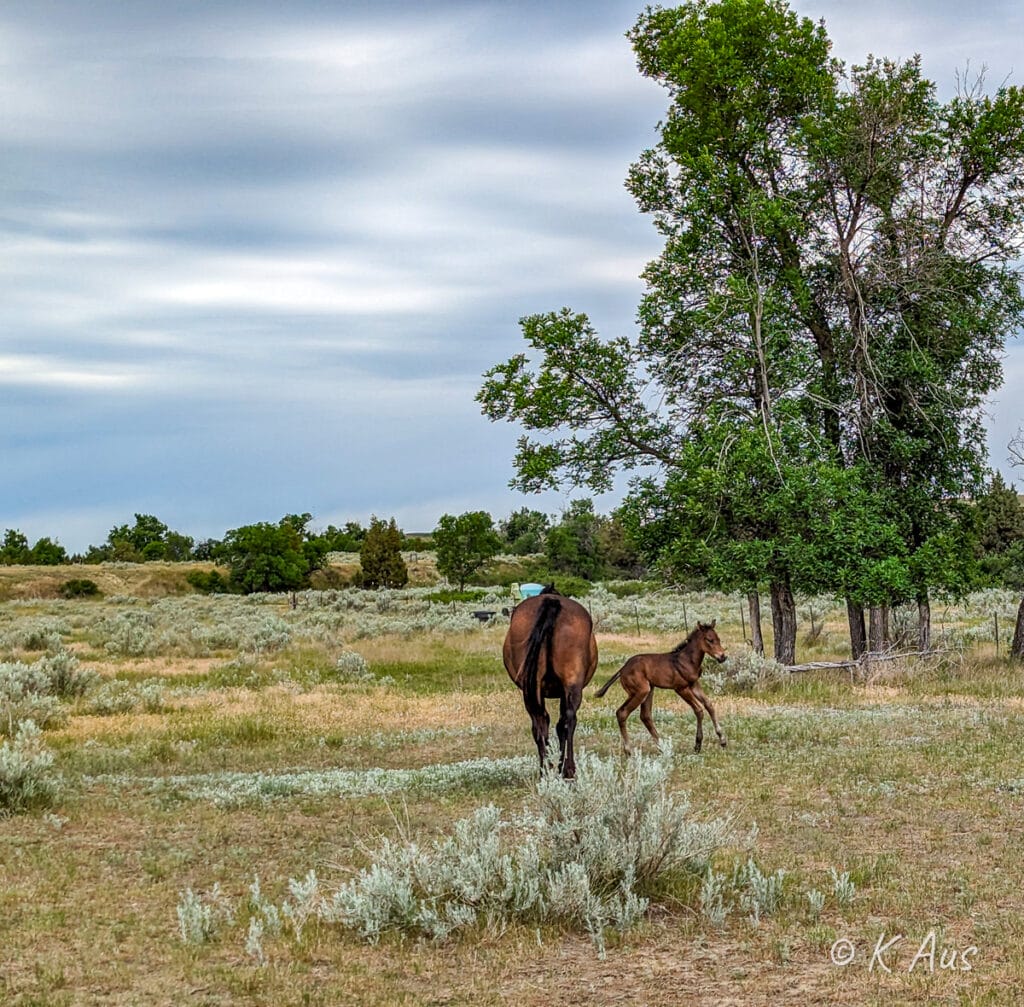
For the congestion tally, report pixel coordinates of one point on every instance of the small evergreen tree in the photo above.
(1000, 532)
(15, 547)
(380, 557)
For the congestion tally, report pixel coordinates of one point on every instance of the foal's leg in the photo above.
(699, 693)
(648, 720)
(633, 700)
(687, 694)
(566, 728)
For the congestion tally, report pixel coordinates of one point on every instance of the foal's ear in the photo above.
(712, 626)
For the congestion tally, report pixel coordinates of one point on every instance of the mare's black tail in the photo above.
(540, 636)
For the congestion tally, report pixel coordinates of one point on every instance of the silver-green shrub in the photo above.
(760, 893)
(352, 667)
(747, 888)
(816, 901)
(201, 918)
(41, 633)
(585, 855)
(25, 695)
(842, 887)
(27, 777)
(65, 677)
(129, 633)
(745, 671)
(115, 696)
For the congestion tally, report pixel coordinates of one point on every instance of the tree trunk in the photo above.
(784, 623)
(876, 634)
(886, 633)
(924, 623)
(1017, 647)
(754, 608)
(858, 632)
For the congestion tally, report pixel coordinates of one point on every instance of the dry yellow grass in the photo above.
(911, 783)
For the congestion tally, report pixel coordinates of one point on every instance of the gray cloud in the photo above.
(256, 256)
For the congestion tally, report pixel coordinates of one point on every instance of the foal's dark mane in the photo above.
(680, 647)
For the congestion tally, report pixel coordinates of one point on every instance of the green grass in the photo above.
(910, 782)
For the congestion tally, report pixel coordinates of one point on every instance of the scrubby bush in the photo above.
(352, 667)
(24, 697)
(64, 675)
(745, 671)
(33, 691)
(33, 634)
(116, 696)
(129, 633)
(200, 918)
(209, 582)
(27, 778)
(586, 855)
(79, 587)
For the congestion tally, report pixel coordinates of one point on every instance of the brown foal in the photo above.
(678, 670)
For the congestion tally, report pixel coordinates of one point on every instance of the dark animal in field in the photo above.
(678, 670)
(550, 653)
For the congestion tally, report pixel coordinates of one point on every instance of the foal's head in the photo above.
(708, 640)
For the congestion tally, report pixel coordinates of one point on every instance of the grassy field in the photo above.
(226, 738)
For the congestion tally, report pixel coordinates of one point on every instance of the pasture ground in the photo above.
(914, 784)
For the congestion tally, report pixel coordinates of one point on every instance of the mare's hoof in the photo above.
(722, 743)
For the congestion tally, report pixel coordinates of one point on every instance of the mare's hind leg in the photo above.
(623, 712)
(645, 715)
(566, 728)
(691, 699)
(699, 693)
(541, 726)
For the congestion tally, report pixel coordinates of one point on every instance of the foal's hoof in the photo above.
(722, 742)
(696, 748)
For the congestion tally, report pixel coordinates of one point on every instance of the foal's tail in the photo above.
(540, 636)
(604, 688)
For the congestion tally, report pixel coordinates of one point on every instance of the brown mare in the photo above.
(679, 670)
(550, 653)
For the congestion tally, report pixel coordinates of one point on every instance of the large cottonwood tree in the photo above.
(822, 325)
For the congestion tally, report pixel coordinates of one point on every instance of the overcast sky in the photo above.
(257, 255)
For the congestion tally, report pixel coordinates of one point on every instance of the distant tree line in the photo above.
(578, 546)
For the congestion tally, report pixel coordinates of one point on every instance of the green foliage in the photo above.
(1000, 538)
(15, 550)
(79, 587)
(145, 540)
(524, 531)
(15, 547)
(573, 546)
(347, 539)
(209, 582)
(46, 552)
(268, 557)
(380, 558)
(464, 545)
(446, 595)
(821, 329)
